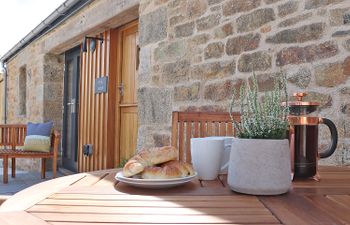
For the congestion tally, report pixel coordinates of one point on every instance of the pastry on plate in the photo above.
(168, 170)
(149, 157)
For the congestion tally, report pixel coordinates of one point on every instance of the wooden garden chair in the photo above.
(187, 125)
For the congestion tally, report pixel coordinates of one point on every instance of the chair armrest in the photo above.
(56, 136)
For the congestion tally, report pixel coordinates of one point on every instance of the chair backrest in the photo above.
(12, 135)
(187, 125)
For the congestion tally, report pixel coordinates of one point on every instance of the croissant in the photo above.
(149, 157)
(172, 169)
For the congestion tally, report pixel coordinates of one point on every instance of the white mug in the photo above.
(227, 150)
(208, 155)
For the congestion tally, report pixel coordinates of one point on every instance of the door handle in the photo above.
(72, 104)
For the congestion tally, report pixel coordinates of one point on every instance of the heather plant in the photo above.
(262, 117)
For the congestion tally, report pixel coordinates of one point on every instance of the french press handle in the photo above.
(334, 137)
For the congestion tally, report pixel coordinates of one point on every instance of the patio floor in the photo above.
(23, 180)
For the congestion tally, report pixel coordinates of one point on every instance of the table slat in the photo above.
(133, 203)
(148, 210)
(295, 209)
(184, 219)
(21, 217)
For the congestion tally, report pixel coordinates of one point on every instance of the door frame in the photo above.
(71, 54)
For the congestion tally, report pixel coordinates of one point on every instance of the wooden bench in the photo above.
(187, 125)
(12, 136)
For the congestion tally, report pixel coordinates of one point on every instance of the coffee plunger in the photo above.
(303, 137)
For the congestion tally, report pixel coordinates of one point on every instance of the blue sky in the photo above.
(19, 17)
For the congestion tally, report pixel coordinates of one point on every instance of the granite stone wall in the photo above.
(195, 52)
(44, 92)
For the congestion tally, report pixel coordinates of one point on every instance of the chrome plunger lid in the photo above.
(299, 107)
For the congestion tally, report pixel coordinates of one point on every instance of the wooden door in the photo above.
(126, 118)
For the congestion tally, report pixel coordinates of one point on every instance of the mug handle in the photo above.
(224, 167)
(334, 137)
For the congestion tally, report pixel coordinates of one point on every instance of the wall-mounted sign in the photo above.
(101, 85)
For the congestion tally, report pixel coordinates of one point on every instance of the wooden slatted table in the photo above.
(96, 198)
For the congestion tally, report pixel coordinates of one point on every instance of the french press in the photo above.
(303, 136)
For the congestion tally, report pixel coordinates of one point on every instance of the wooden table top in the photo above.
(97, 198)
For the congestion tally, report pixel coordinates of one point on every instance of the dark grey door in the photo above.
(71, 107)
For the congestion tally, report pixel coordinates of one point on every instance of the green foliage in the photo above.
(265, 119)
(122, 163)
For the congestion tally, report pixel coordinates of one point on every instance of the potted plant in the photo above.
(260, 156)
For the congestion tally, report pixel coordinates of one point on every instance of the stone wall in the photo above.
(44, 92)
(194, 52)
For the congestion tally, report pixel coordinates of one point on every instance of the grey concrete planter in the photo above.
(259, 166)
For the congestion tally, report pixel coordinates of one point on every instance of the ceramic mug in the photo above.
(209, 157)
(227, 150)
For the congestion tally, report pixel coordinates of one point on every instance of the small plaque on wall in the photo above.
(101, 85)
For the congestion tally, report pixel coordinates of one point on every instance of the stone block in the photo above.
(294, 20)
(312, 4)
(161, 139)
(204, 108)
(208, 22)
(176, 20)
(196, 8)
(298, 35)
(346, 44)
(301, 77)
(187, 92)
(221, 90)
(213, 70)
(199, 39)
(330, 74)
(216, 8)
(184, 30)
(287, 8)
(170, 51)
(223, 31)
(346, 66)
(341, 33)
(325, 100)
(265, 81)
(255, 19)
(53, 91)
(175, 72)
(310, 53)
(345, 108)
(257, 61)
(345, 91)
(271, 1)
(213, 2)
(336, 16)
(214, 50)
(248, 42)
(155, 105)
(145, 60)
(153, 26)
(53, 68)
(232, 7)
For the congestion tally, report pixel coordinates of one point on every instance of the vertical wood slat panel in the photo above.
(81, 93)
(92, 107)
(101, 127)
(188, 140)
(181, 141)
(105, 102)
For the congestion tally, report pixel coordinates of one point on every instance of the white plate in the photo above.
(154, 183)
